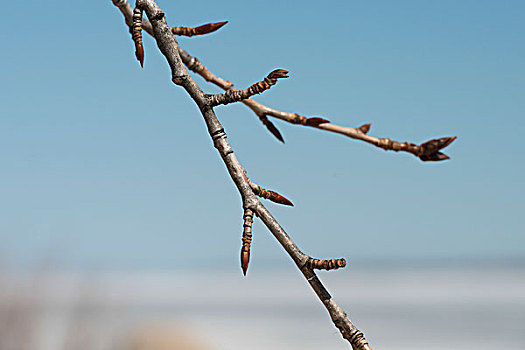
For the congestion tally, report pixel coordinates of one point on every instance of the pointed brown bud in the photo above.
(315, 121)
(365, 128)
(200, 30)
(208, 28)
(277, 198)
(429, 151)
(435, 145)
(139, 53)
(271, 128)
(245, 259)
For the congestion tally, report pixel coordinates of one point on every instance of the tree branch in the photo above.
(169, 48)
(359, 133)
(262, 111)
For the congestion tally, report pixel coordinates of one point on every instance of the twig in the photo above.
(233, 95)
(359, 133)
(169, 48)
(262, 111)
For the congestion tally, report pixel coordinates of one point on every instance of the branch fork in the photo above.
(249, 191)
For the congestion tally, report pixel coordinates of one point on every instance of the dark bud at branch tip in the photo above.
(315, 121)
(278, 74)
(435, 145)
(245, 260)
(429, 151)
(365, 128)
(277, 198)
(208, 28)
(139, 53)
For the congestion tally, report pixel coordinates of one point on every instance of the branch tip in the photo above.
(270, 195)
(200, 30)
(430, 150)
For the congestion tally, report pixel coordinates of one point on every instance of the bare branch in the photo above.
(169, 48)
(200, 30)
(320, 123)
(234, 95)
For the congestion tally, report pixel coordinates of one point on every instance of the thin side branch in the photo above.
(359, 133)
(233, 95)
(169, 48)
(200, 30)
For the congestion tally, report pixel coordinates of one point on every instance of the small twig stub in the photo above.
(328, 264)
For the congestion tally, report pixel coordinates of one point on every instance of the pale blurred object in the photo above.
(163, 337)
(441, 307)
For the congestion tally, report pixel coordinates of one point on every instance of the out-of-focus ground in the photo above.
(405, 308)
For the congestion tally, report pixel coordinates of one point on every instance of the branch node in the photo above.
(218, 134)
(246, 239)
(384, 143)
(298, 119)
(358, 340)
(327, 264)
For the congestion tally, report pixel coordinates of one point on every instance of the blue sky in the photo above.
(105, 164)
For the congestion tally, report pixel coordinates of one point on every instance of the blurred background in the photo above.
(120, 228)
